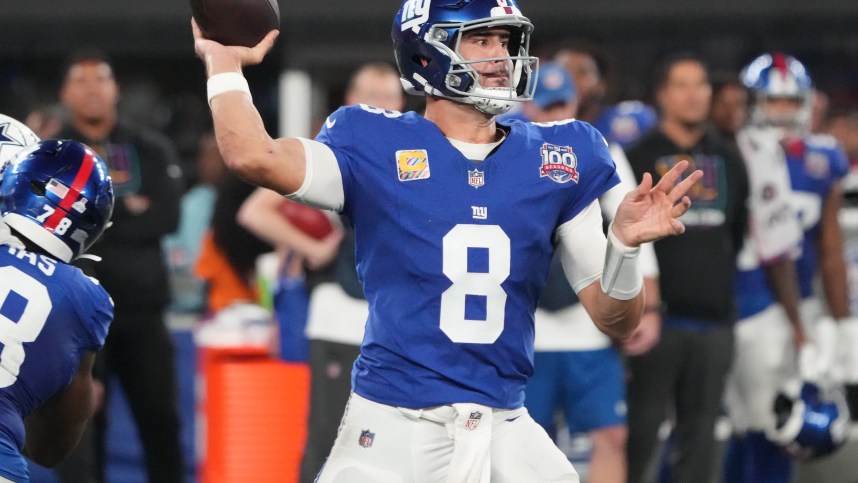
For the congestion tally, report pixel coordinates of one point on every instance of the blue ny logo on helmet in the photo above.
(426, 38)
(58, 195)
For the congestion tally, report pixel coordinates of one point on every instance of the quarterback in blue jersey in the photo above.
(456, 218)
(55, 200)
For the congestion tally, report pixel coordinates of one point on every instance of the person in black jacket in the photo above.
(148, 186)
(684, 374)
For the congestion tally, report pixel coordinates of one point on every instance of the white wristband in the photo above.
(225, 82)
(621, 275)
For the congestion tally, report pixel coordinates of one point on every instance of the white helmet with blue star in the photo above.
(14, 137)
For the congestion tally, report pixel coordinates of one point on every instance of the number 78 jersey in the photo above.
(452, 253)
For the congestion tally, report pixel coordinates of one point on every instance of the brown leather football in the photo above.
(236, 22)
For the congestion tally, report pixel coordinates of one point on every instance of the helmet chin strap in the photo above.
(487, 102)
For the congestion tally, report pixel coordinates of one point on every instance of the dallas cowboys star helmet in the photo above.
(426, 38)
(58, 195)
(14, 137)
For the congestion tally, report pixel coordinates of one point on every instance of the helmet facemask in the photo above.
(462, 78)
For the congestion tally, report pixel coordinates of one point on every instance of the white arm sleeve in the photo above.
(582, 244)
(323, 182)
(612, 199)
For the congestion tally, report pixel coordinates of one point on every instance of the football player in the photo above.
(55, 201)
(768, 340)
(456, 219)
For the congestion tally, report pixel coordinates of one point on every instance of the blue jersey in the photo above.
(626, 122)
(50, 315)
(816, 163)
(453, 254)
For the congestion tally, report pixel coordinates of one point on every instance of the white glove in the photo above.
(847, 349)
(825, 339)
(808, 367)
(816, 359)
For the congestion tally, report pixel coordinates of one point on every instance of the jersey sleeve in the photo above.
(94, 309)
(338, 135)
(598, 173)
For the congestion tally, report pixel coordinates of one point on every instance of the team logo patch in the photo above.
(412, 164)
(476, 178)
(366, 438)
(559, 163)
(473, 420)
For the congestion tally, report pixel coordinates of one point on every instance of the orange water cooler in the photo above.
(252, 415)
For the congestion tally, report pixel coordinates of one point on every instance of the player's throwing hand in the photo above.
(235, 56)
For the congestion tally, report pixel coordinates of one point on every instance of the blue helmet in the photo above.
(426, 35)
(626, 122)
(812, 423)
(779, 76)
(58, 195)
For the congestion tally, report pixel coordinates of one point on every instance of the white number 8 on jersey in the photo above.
(486, 284)
(14, 333)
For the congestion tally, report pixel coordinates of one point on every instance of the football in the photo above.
(236, 22)
(311, 221)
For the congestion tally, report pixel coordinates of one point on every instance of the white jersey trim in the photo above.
(323, 181)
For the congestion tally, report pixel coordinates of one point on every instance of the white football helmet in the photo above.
(14, 137)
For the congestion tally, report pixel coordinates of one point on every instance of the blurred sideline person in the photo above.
(184, 246)
(450, 266)
(55, 201)
(46, 120)
(147, 182)
(780, 136)
(844, 127)
(577, 369)
(682, 377)
(729, 109)
(338, 309)
(622, 123)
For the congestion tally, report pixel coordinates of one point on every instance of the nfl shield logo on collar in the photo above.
(473, 421)
(366, 438)
(476, 178)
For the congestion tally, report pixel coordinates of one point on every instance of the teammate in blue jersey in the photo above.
(767, 346)
(55, 200)
(456, 219)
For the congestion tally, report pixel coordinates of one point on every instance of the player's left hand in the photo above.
(645, 336)
(649, 212)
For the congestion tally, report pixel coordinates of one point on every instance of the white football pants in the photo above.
(446, 444)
